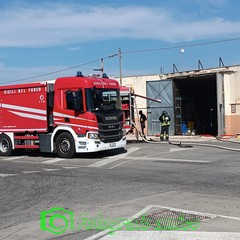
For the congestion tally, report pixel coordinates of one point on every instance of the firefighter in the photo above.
(165, 123)
(143, 119)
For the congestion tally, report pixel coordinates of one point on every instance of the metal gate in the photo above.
(163, 90)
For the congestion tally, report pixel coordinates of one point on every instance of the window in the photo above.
(69, 100)
(74, 100)
(103, 99)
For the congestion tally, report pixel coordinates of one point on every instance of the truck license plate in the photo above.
(113, 144)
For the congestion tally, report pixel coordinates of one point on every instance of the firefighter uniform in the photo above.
(165, 123)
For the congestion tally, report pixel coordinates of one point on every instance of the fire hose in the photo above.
(189, 144)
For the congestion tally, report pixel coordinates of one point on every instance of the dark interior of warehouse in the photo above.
(198, 100)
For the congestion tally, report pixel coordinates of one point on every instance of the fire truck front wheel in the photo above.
(5, 145)
(65, 146)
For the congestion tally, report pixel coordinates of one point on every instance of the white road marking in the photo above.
(212, 215)
(54, 160)
(167, 159)
(169, 151)
(12, 158)
(7, 175)
(29, 172)
(50, 169)
(120, 164)
(173, 235)
(114, 158)
(113, 229)
(70, 167)
(180, 149)
(202, 235)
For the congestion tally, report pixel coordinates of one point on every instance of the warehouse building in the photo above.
(203, 101)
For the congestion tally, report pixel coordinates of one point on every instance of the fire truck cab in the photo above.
(68, 115)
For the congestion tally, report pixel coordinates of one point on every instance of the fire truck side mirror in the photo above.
(78, 101)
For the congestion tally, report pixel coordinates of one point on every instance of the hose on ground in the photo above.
(187, 144)
(205, 145)
(143, 138)
(223, 140)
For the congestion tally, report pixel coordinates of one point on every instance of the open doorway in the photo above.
(196, 99)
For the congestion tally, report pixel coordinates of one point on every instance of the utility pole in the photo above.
(102, 67)
(120, 65)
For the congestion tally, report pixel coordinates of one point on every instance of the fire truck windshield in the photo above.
(103, 99)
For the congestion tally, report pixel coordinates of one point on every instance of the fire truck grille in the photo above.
(109, 126)
(111, 136)
(110, 132)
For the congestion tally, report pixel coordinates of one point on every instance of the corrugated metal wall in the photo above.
(162, 90)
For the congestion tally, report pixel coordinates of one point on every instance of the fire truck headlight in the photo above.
(93, 136)
(124, 132)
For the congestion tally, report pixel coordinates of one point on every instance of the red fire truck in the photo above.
(68, 115)
(130, 109)
(127, 107)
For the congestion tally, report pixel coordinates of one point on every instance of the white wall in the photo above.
(232, 90)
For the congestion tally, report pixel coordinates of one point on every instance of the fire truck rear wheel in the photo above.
(5, 145)
(65, 146)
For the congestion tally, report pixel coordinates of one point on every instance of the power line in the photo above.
(180, 46)
(127, 52)
(50, 73)
(58, 71)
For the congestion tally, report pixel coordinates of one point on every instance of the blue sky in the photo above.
(41, 37)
